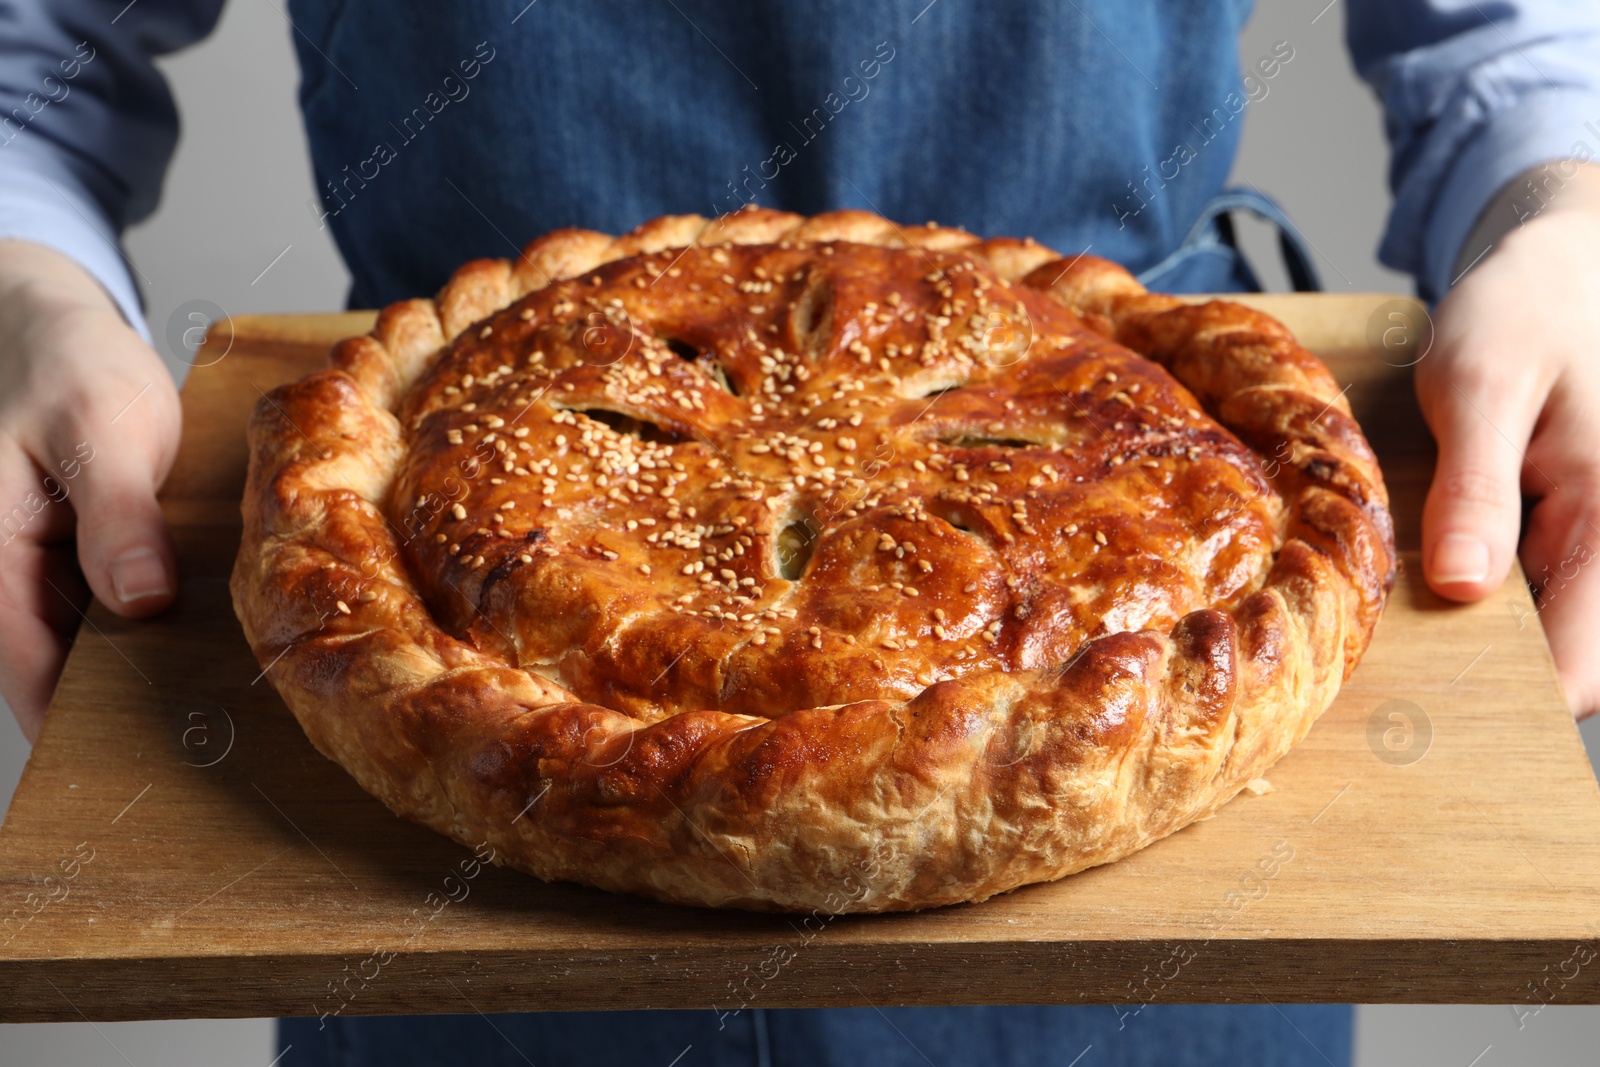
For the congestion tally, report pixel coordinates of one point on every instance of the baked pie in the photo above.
(796, 563)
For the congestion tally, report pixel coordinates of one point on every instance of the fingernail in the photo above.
(1460, 558)
(139, 573)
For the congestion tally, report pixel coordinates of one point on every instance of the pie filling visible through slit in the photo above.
(791, 564)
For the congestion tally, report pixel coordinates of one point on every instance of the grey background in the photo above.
(234, 229)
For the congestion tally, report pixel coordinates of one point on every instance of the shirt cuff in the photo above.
(49, 206)
(1541, 127)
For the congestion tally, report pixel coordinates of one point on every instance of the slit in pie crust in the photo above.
(796, 563)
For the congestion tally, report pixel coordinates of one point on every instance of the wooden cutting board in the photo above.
(177, 848)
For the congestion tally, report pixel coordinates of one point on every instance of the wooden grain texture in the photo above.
(236, 872)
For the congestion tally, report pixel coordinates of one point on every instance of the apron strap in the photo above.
(1213, 234)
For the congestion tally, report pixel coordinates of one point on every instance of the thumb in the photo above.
(1473, 512)
(123, 545)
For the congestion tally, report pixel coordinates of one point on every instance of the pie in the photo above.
(792, 563)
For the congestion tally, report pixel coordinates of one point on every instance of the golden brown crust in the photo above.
(790, 563)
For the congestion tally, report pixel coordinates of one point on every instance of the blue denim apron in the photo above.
(444, 132)
(1174, 1035)
(455, 131)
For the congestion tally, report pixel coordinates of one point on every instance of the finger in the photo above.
(32, 503)
(35, 622)
(1474, 506)
(123, 544)
(41, 597)
(1561, 554)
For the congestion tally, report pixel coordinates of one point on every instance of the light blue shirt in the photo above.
(1474, 93)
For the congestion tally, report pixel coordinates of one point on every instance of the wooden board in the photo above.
(204, 860)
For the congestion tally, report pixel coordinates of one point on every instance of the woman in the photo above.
(443, 134)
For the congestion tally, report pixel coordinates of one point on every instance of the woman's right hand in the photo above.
(89, 423)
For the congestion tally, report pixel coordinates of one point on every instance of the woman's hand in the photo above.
(88, 429)
(1511, 390)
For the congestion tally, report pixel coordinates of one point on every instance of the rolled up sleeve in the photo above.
(87, 125)
(1474, 93)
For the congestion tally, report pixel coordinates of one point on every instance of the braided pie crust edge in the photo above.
(972, 788)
